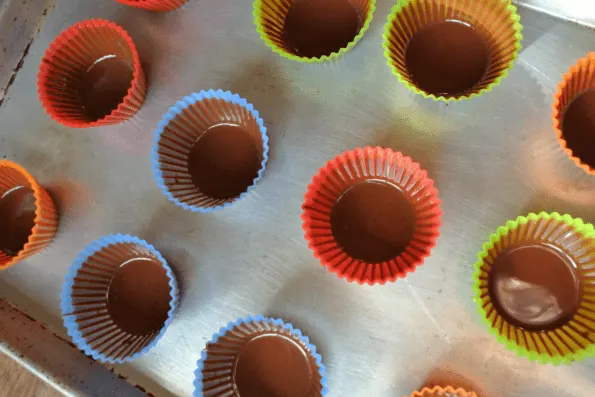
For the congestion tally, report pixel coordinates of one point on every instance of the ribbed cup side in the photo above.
(496, 20)
(155, 5)
(216, 368)
(579, 79)
(45, 226)
(179, 131)
(573, 340)
(72, 54)
(85, 302)
(349, 169)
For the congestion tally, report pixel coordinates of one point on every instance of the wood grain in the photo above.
(16, 380)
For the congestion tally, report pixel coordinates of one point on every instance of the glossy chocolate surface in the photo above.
(535, 287)
(224, 161)
(273, 366)
(138, 296)
(373, 221)
(314, 28)
(578, 127)
(447, 58)
(17, 218)
(104, 85)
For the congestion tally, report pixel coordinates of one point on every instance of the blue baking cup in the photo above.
(176, 111)
(272, 324)
(69, 307)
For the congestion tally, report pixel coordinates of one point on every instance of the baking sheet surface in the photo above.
(493, 158)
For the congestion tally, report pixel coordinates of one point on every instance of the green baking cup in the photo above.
(534, 287)
(428, 45)
(312, 31)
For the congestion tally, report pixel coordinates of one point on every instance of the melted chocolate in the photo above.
(17, 218)
(578, 127)
(273, 366)
(314, 28)
(224, 161)
(104, 85)
(138, 296)
(447, 58)
(535, 287)
(373, 221)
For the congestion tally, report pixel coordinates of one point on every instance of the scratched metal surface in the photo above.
(492, 158)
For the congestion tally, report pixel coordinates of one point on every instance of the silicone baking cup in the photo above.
(563, 343)
(447, 391)
(118, 298)
(74, 53)
(496, 20)
(579, 79)
(45, 223)
(270, 17)
(182, 127)
(228, 366)
(155, 5)
(355, 168)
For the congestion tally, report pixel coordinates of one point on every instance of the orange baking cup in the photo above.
(563, 339)
(447, 391)
(382, 168)
(155, 5)
(579, 79)
(496, 20)
(74, 52)
(13, 176)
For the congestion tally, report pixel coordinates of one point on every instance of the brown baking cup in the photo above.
(210, 150)
(574, 113)
(447, 391)
(535, 287)
(91, 75)
(28, 216)
(452, 49)
(312, 31)
(118, 298)
(371, 215)
(155, 5)
(258, 356)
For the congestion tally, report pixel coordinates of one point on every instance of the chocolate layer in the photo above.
(314, 28)
(104, 85)
(373, 221)
(224, 161)
(138, 296)
(272, 365)
(447, 58)
(578, 127)
(17, 218)
(535, 287)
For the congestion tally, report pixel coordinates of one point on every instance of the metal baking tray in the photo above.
(493, 158)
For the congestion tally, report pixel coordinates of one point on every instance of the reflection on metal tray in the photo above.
(493, 158)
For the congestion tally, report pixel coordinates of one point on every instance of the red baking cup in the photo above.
(413, 200)
(447, 391)
(155, 5)
(578, 80)
(71, 57)
(45, 223)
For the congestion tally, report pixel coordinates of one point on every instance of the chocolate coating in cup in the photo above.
(138, 298)
(447, 58)
(535, 287)
(578, 127)
(17, 218)
(314, 28)
(224, 161)
(373, 221)
(104, 85)
(273, 365)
